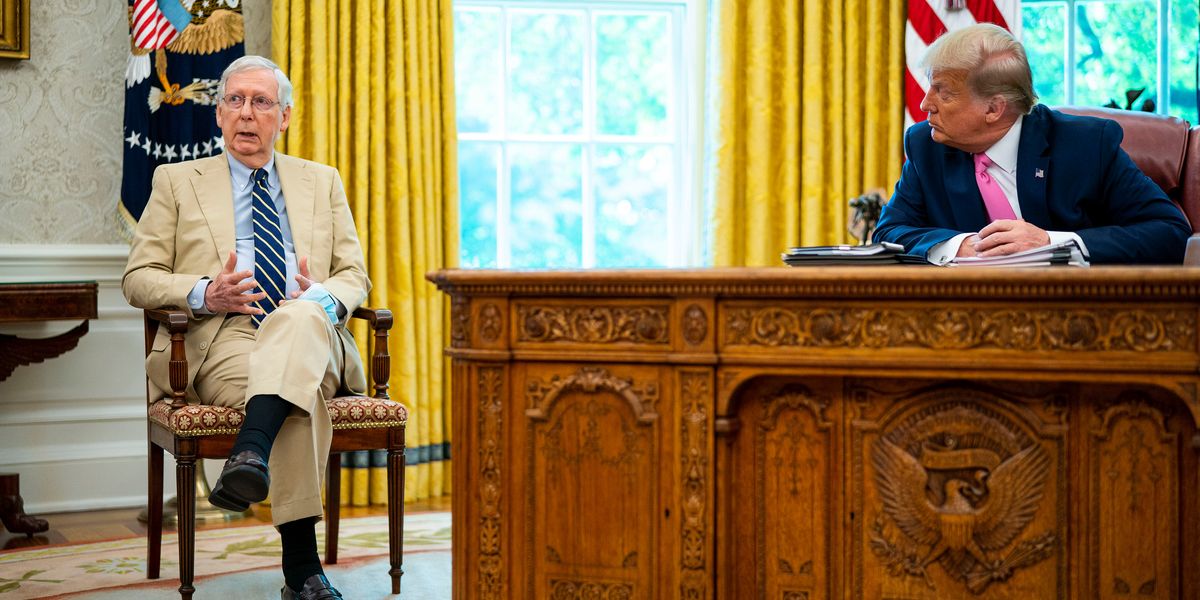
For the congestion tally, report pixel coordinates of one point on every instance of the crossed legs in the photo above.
(281, 374)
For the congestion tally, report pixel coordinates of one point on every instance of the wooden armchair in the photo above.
(191, 432)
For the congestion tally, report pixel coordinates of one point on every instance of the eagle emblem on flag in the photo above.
(177, 51)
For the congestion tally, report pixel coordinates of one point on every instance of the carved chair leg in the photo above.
(185, 494)
(395, 477)
(154, 511)
(333, 500)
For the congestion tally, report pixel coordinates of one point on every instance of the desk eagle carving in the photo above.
(959, 505)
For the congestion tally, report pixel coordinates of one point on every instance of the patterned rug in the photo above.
(65, 571)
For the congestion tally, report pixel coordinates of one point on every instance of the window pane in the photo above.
(631, 205)
(545, 70)
(633, 73)
(1044, 29)
(547, 205)
(1116, 44)
(477, 172)
(1185, 44)
(477, 52)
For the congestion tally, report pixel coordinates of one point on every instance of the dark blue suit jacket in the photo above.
(1072, 175)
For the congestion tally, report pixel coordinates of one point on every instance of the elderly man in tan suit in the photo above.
(261, 249)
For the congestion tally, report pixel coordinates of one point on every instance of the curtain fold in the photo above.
(808, 113)
(375, 98)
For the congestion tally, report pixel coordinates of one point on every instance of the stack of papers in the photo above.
(1065, 253)
(871, 254)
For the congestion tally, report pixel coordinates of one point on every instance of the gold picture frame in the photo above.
(14, 29)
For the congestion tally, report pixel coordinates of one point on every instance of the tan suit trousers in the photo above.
(296, 354)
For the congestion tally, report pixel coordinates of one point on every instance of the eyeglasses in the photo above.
(260, 103)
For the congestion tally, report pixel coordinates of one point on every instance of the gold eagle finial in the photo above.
(214, 33)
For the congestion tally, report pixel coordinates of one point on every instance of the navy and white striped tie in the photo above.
(270, 269)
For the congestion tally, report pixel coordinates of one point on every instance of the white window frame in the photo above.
(1163, 88)
(683, 210)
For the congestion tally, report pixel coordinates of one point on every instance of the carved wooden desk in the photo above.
(792, 434)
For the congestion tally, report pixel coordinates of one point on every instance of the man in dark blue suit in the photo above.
(992, 172)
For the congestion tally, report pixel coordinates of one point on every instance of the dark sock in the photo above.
(300, 560)
(264, 416)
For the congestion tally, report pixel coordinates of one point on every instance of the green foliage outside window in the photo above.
(1116, 49)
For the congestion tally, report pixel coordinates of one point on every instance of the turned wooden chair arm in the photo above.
(176, 320)
(380, 320)
(176, 323)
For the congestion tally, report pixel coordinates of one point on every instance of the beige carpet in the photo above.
(236, 562)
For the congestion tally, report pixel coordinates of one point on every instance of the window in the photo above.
(573, 143)
(1090, 52)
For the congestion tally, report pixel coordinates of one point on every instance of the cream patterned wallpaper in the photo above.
(60, 121)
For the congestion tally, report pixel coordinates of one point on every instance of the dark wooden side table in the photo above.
(43, 302)
(27, 302)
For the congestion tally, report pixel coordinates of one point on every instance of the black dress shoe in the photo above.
(244, 479)
(316, 587)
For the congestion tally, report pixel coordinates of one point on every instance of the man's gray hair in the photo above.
(994, 61)
(252, 62)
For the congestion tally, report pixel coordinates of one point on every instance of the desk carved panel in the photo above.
(1134, 492)
(1076, 329)
(593, 324)
(591, 438)
(961, 491)
(491, 470)
(784, 491)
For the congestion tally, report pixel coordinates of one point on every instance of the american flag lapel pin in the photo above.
(1040, 174)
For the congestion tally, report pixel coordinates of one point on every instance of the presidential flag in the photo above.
(928, 19)
(177, 51)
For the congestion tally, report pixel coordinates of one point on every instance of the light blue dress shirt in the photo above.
(243, 226)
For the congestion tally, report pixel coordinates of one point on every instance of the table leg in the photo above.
(12, 508)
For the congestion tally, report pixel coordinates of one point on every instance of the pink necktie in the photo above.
(993, 197)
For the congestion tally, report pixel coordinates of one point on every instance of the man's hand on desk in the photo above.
(227, 292)
(1007, 236)
(967, 247)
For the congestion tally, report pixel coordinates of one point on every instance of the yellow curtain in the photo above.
(809, 114)
(375, 98)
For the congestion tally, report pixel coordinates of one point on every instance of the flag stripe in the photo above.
(986, 11)
(924, 21)
(151, 29)
(928, 19)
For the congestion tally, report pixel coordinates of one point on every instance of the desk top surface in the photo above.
(1110, 282)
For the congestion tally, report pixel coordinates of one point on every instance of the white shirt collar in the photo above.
(1004, 152)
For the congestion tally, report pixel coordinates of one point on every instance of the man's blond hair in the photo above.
(992, 59)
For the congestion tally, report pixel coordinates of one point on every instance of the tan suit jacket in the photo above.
(187, 232)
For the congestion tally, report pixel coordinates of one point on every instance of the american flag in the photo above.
(155, 24)
(927, 19)
(175, 59)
